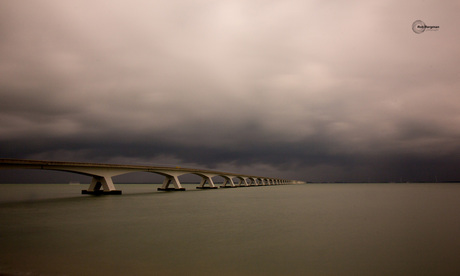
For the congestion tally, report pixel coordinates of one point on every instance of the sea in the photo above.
(307, 229)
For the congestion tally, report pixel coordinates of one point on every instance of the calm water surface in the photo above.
(312, 229)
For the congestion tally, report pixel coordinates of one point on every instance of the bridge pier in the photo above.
(206, 179)
(171, 179)
(104, 182)
(242, 181)
(228, 180)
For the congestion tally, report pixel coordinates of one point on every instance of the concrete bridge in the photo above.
(102, 174)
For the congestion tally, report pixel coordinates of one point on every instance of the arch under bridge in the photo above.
(102, 174)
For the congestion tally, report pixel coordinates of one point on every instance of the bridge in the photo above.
(102, 174)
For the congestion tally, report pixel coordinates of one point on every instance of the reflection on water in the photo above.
(313, 229)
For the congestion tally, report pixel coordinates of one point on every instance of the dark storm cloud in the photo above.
(312, 90)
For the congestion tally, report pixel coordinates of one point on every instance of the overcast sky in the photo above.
(310, 90)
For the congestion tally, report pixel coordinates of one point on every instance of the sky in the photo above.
(307, 90)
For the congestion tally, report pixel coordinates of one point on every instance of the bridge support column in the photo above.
(242, 182)
(228, 180)
(104, 182)
(208, 179)
(171, 179)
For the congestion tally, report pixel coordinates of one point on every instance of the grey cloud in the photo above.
(299, 87)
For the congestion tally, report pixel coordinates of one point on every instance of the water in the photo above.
(312, 229)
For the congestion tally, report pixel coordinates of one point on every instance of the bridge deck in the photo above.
(102, 174)
(5, 163)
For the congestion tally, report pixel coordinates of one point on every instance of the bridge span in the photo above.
(102, 174)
